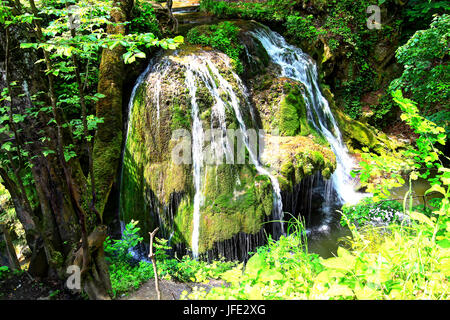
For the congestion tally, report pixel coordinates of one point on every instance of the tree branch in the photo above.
(151, 255)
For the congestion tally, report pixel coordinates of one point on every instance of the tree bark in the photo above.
(108, 138)
(14, 263)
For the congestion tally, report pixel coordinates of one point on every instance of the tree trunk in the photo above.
(54, 227)
(13, 262)
(108, 138)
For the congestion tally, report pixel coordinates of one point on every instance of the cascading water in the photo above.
(277, 202)
(297, 65)
(214, 82)
(197, 159)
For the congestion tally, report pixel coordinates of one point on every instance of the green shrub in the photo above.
(403, 263)
(144, 19)
(119, 250)
(442, 119)
(369, 211)
(426, 77)
(418, 14)
(222, 36)
(383, 113)
(4, 271)
(127, 274)
(353, 108)
(301, 28)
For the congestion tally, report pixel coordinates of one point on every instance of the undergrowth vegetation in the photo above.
(398, 263)
(128, 272)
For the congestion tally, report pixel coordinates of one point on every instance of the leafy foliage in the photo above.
(127, 273)
(425, 56)
(223, 36)
(422, 160)
(4, 270)
(384, 113)
(419, 14)
(301, 28)
(368, 211)
(144, 19)
(119, 249)
(90, 20)
(398, 264)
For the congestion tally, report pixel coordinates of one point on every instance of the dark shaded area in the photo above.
(23, 287)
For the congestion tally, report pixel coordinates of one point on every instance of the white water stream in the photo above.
(205, 71)
(297, 65)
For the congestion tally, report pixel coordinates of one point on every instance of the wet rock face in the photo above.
(236, 199)
(158, 191)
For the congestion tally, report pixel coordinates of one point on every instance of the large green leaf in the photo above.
(339, 290)
(421, 218)
(254, 265)
(345, 261)
(270, 275)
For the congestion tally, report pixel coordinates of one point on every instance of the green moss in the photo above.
(183, 222)
(326, 173)
(317, 158)
(293, 118)
(289, 120)
(358, 134)
(236, 200)
(223, 36)
(180, 116)
(106, 160)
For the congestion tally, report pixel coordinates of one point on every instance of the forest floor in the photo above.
(170, 290)
(23, 287)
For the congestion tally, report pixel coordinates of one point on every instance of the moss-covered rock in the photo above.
(358, 134)
(235, 198)
(294, 158)
(159, 192)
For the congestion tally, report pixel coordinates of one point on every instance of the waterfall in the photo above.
(197, 158)
(297, 65)
(277, 202)
(215, 83)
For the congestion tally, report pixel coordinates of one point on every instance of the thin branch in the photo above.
(152, 257)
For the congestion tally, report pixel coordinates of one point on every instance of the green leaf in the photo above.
(421, 218)
(435, 188)
(126, 56)
(338, 263)
(140, 54)
(7, 146)
(47, 152)
(339, 290)
(254, 265)
(233, 275)
(270, 275)
(28, 45)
